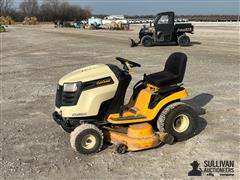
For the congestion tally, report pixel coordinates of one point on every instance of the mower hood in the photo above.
(85, 74)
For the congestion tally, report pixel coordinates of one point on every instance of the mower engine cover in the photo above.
(81, 92)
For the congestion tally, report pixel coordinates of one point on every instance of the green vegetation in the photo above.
(2, 28)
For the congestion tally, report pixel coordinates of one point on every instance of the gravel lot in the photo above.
(34, 58)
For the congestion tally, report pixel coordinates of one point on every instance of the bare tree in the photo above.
(51, 9)
(61, 10)
(6, 6)
(29, 7)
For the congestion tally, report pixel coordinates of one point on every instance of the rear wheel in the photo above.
(86, 139)
(184, 40)
(179, 120)
(147, 41)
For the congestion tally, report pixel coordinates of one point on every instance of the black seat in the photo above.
(173, 72)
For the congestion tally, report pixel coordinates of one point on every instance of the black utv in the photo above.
(164, 31)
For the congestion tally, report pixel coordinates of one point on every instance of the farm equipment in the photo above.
(67, 24)
(94, 23)
(2, 28)
(90, 105)
(30, 21)
(116, 22)
(6, 20)
(164, 31)
(109, 22)
(77, 24)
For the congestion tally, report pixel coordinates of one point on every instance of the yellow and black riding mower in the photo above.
(89, 104)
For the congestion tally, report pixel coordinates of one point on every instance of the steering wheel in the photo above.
(125, 62)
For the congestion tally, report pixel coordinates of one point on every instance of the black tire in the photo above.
(147, 41)
(179, 120)
(86, 139)
(184, 40)
(121, 148)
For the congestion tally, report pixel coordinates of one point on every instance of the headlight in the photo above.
(70, 87)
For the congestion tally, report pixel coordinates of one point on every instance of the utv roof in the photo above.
(167, 12)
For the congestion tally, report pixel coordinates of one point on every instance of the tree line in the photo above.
(51, 10)
(48, 10)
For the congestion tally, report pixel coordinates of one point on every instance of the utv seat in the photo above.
(173, 72)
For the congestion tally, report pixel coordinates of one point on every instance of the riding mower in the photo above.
(89, 105)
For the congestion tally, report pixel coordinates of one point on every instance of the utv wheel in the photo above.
(184, 40)
(179, 120)
(86, 139)
(147, 41)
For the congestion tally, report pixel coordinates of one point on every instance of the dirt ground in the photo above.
(34, 58)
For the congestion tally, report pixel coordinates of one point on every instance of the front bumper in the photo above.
(71, 123)
(60, 121)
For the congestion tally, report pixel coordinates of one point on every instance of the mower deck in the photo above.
(137, 137)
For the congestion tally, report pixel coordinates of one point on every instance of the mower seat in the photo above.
(173, 72)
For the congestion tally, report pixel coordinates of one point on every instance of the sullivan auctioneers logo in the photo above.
(212, 168)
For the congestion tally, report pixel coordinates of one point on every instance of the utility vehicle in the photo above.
(164, 31)
(90, 105)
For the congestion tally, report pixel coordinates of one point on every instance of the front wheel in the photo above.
(86, 139)
(147, 41)
(179, 120)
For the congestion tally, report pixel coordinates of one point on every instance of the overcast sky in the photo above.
(143, 7)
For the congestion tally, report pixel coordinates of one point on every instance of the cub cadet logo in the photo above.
(104, 81)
